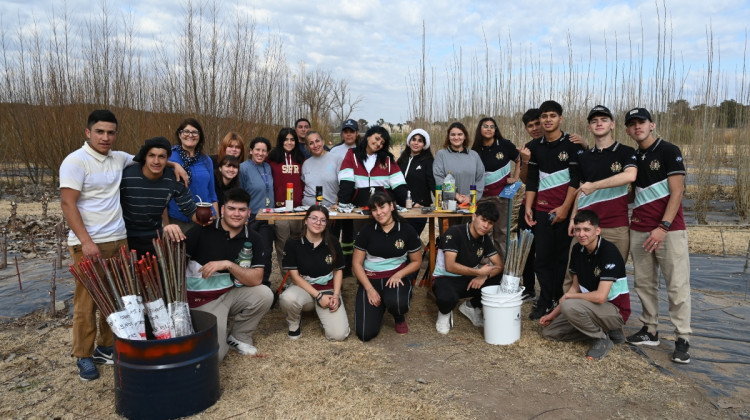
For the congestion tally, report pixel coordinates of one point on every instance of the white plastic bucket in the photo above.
(493, 294)
(502, 321)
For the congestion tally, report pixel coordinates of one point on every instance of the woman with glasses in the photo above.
(188, 152)
(256, 178)
(387, 254)
(501, 167)
(314, 262)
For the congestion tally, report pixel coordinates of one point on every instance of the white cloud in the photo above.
(375, 43)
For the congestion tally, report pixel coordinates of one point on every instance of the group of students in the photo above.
(112, 198)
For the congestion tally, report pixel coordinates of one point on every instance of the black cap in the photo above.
(159, 142)
(600, 110)
(638, 113)
(350, 123)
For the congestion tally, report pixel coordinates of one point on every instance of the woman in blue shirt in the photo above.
(188, 152)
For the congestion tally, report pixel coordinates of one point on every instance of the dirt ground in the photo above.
(419, 375)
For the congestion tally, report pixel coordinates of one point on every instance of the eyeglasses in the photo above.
(189, 133)
(321, 221)
(487, 126)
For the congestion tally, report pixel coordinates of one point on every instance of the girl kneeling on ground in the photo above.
(387, 254)
(314, 261)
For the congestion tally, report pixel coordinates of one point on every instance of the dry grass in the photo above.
(420, 375)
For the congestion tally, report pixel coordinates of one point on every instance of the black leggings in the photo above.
(368, 319)
(449, 290)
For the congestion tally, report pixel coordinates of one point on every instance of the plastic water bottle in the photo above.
(409, 203)
(244, 260)
(449, 189)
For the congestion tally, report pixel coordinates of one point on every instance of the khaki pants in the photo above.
(295, 299)
(500, 229)
(580, 319)
(673, 259)
(619, 236)
(84, 308)
(246, 305)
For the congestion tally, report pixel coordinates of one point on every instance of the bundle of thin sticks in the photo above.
(518, 252)
(120, 285)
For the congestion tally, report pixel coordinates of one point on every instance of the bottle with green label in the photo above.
(244, 259)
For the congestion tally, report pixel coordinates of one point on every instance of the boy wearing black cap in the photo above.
(658, 239)
(552, 181)
(145, 191)
(605, 172)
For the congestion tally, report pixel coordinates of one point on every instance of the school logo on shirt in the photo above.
(329, 259)
(616, 167)
(499, 155)
(399, 244)
(654, 165)
(480, 251)
(597, 271)
(563, 156)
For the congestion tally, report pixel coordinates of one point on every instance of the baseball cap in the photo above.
(638, 113)
(350, 123)
(599, 110)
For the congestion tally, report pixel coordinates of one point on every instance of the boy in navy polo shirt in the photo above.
(551, 185)
(658, 239)
(598, 303)
(458, 270)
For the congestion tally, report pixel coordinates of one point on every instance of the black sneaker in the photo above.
(528, 296)
(600, 349)
(87, 369)
(293, 335)
(681, 355)
(643, 337)
(537, 312)
(103, 355)
(617, 336)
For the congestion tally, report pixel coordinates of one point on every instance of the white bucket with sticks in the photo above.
(502, 315)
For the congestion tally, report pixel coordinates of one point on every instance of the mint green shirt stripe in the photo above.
(598, 196)
(619, 287)
(379, 264)
(651, 193)
(492, 177)
(550, 181)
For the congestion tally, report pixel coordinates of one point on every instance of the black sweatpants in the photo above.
(529, 278)
(553, 244)
(368, 319)
(449, 290)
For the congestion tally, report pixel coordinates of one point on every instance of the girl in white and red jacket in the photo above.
(371, 167)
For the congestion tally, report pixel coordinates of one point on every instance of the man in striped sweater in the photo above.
(145, 191)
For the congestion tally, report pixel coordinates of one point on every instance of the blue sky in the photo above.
(375, 44)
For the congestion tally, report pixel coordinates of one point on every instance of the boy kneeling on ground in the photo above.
(598, 303)
(458, 270)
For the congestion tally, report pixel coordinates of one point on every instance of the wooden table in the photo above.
(412, 213)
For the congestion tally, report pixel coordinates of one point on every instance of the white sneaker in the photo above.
(444, 322)
(243, 348)
(474, 314)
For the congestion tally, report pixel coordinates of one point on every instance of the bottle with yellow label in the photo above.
(473, 199)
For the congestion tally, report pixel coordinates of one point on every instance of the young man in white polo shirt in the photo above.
(90, 200)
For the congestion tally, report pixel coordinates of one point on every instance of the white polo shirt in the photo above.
(97, 177)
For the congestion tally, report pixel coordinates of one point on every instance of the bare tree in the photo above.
(343, 103)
